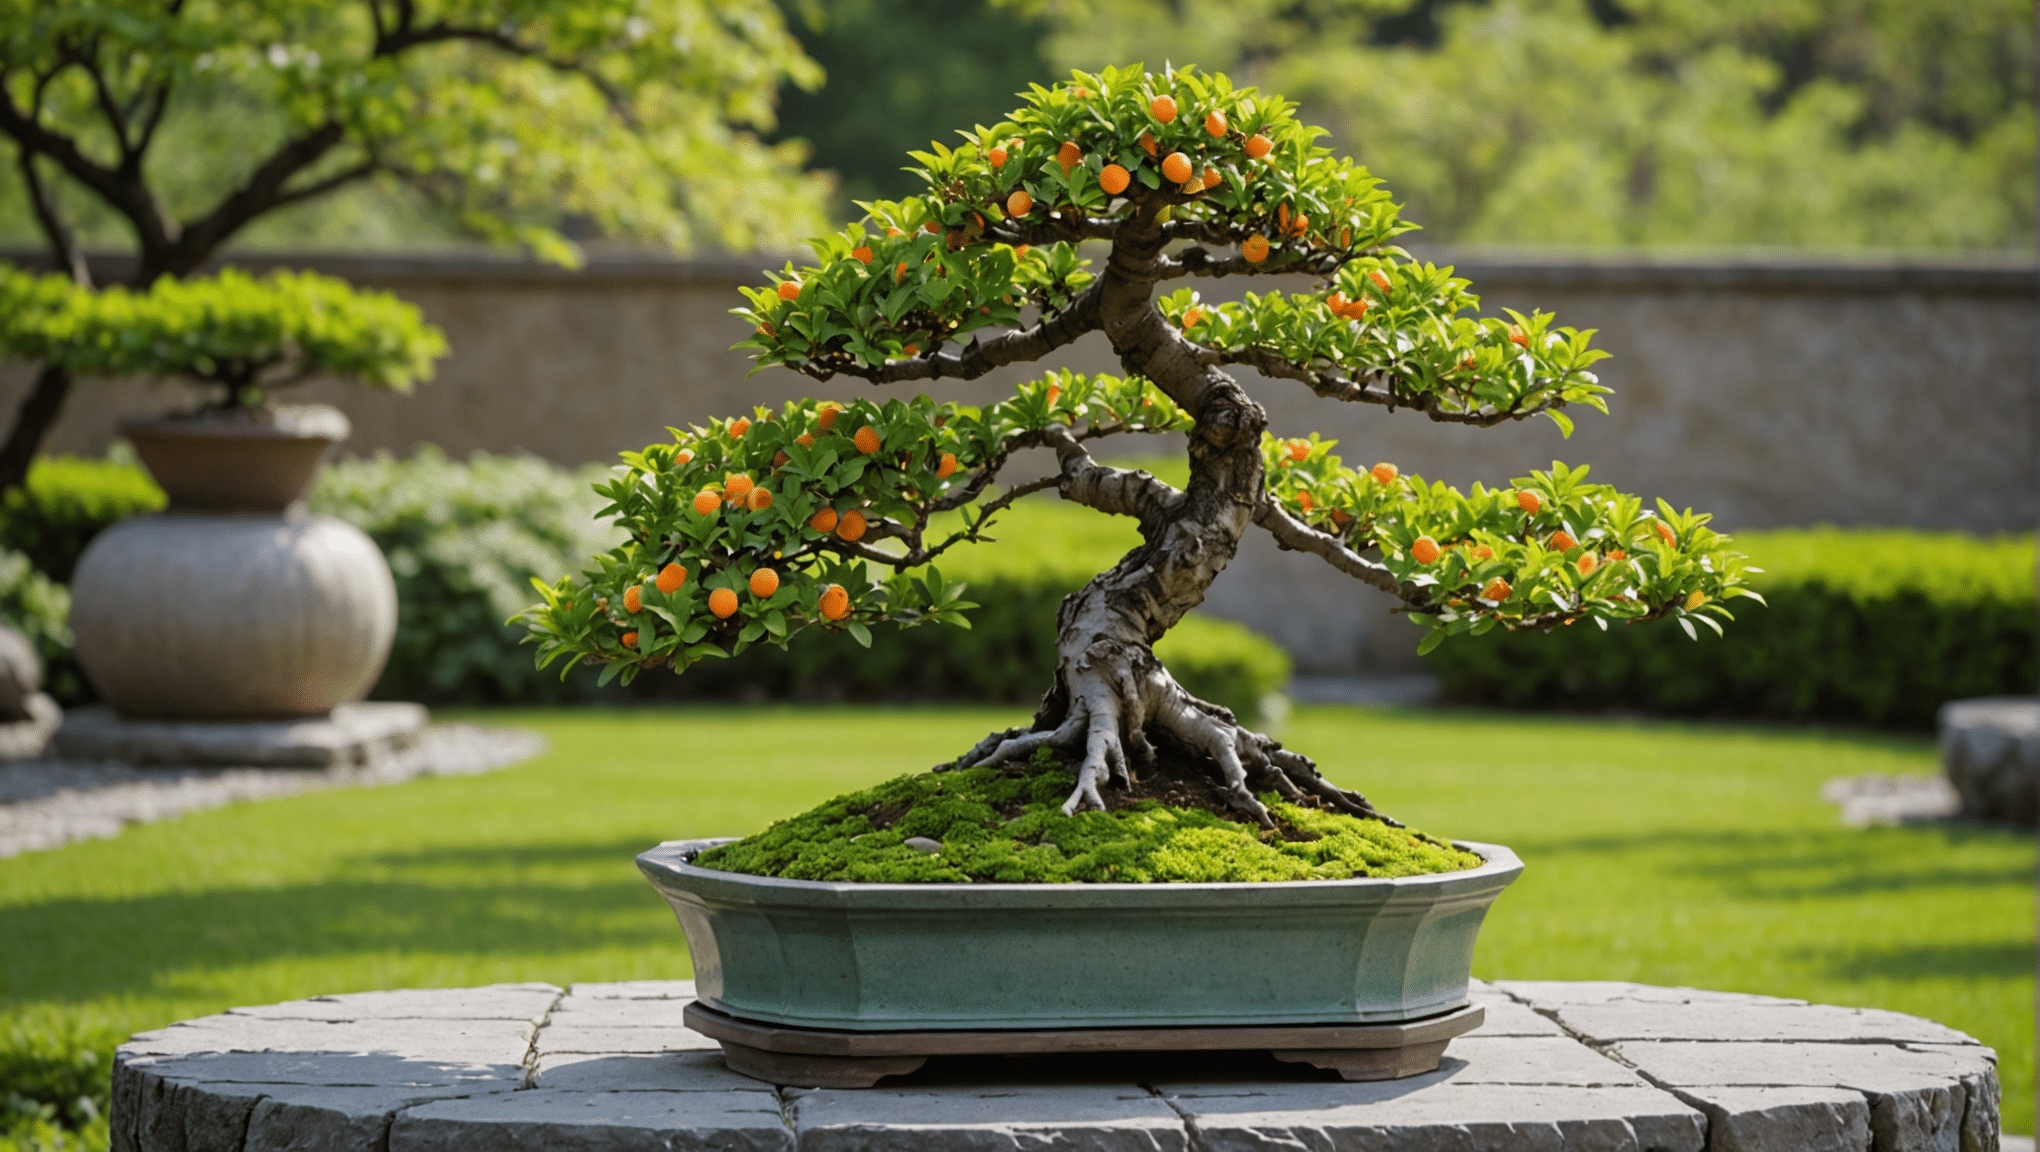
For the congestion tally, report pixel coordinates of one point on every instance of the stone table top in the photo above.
(1602, 1066)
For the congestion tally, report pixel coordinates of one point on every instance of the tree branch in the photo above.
(1202, 262)
(262, 191)
(63, 243)
(979, 357)
(1296, 536)
(405, 37)
(123, 191)
(1377, 387)
(1118, 491)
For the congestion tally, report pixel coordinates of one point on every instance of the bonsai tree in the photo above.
(238, 336)
(759, 528)
(519, 121)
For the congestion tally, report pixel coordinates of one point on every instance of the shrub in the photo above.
(463, 541)
(40, 609)
(67, 501)
(1868, 626)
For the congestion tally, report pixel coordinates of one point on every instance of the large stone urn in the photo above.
(235, 603)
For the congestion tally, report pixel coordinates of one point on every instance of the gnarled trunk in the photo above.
(1112, 699)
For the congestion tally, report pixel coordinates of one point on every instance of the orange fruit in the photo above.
(1147, 143)
(866, 440)
(1615, 554)
(1425, 550)
(997, 157)
(947, 466)
(1300, 225)
(1483, 553)
(1518, 337)
(861, 253)
(1528, 502)
(1384, 473)
(1695, 599)
(764, 582)
(739, 426)
(722, 602)
(736, 484)
(1336, 302)
(931, 227)
(1304, 501)
(789, 289)
(1017, 205)
(1562, 541)
(805, 439)
(780, 458)
(1191, 317)
(1020, 252)
(630, 639)
(1497, 590)
(1664, 530)
(1054, 394)
(1259, 146)
(633, 599)
(1176, 169)
(1193, 187)
(1255, 249)
(1214, 123)
(824, 520)
(835, 603)
(671, 577)
(759, 500)
(1356, 309)
(851, 526)
(707, 500)
(1164, 108)
(900, 273)
(1114, 179)
(684, 456)
(1587, 563)
(766, 329)
(826, 416)
(1282, 218)
(910, 350)
(1340, 517)
(1212, 179)
(1069, 156)
(1380, 279)
(1299, 450)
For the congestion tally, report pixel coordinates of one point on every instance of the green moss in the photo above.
(1003, 827)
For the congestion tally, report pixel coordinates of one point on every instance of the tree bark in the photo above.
(1112, 700)
(39, 410)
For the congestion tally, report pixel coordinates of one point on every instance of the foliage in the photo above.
(1009, 828)
(1866, 626)
(40, 609)
(52, 1090)
(1711, 859)
(67, 501)
(243, 333)
(463, 539)
(1874, 123)
(996, 234)
(522, 121)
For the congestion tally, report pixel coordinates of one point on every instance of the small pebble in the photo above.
(923, 844)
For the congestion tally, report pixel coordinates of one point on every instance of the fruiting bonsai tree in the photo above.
(759, 528)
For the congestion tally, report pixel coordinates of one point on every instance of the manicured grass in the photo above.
(1666, 853)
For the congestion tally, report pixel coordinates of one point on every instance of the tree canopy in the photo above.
(756, 528)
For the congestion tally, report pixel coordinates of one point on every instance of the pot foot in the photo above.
(799, 1070)
(1368, 1063)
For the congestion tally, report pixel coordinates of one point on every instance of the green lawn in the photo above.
(1667, 853)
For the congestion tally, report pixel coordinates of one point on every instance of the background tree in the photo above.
(519, 121)
(758, 528)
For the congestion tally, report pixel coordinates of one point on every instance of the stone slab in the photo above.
(1507, 1016)
(526, 1002)
(298, 1118)
(353, 734)
(1990, 755)
(469, 1041)
(1441, 1116)
(1737, 1021)
(1551, 994)
(564, 1036)
(695, 1071)
(634, 990)
(559, 1121)
(1783, 1119)
(1113, 1118)
(586, 1012)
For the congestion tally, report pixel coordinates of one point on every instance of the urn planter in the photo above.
(920, 957)
(235, 602)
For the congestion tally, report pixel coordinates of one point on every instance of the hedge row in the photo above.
(1864, 626)
(463, 539)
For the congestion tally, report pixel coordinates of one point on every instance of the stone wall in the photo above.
(1770, 392)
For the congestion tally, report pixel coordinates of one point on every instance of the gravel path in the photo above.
(49, 803)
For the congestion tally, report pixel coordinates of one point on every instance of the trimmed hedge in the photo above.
(66, 502)
(1864, 626)
(40, 609)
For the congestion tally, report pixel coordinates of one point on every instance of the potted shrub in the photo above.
(1015, 891)
(251, 607)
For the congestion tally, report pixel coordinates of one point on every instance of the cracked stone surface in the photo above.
(598, 1067)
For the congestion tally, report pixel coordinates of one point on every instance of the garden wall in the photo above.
(1772, 392)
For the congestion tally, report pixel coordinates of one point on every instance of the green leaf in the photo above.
(859, 631)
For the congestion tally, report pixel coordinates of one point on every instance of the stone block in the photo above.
(175, 1116)
(987, 1119)
(1783, 1119)
(1865, 1067)
(1990, 753)
(1735, 1021)
(1507, 1017)
(353, 734)
(338, 1069)
(1478, 1059)
(596, 1122)
(562, 1035)
(634, 990)
(526, 1002)
(1412, 1117)
(578, 1012)
(457, 1042)
(1551, 994)
(638, 1072)
(298, 1118)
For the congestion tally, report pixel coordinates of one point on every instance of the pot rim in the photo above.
(672, 861)
(294, 422)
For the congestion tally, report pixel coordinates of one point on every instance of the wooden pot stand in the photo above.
(837, 1058)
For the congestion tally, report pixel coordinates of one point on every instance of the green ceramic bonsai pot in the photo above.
(882, 957)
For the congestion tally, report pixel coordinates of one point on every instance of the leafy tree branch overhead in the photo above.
(524, 121)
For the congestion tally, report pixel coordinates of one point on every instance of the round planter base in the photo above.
(838, 1058)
